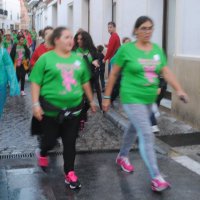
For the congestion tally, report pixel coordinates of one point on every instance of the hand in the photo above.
(183, 96)
(38, 113)
(104, 61)
(106, 104)
(159, 91)
(96, 63)
(93, 107)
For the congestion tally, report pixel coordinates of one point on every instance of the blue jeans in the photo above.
(140, 125)
(33, 45)
(109, 67)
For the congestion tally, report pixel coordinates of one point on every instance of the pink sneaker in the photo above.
(42, 161)
(158, 184)
(72, 180)
(125, 164)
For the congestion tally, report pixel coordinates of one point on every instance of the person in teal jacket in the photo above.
(7, 77)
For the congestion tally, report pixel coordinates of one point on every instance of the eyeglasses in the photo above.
(146, 29)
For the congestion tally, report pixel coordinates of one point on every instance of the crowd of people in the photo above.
(66, 71)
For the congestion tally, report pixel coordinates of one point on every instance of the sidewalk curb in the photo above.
(121, 123)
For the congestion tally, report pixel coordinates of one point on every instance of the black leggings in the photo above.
(21, 74)
(95, 86)
(68, 131)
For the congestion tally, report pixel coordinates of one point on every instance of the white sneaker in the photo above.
(155, 129)
(23, 93)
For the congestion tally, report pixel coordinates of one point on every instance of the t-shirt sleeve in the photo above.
(119, 58)
(85, 74)
(37, 73)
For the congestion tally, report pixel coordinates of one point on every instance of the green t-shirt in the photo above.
(7, 45)
(60, 79)
(33, 35)
(81, 52)
(140, 70)
(14, 37)
(20, 55)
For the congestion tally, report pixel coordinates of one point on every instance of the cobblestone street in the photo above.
(99, 133)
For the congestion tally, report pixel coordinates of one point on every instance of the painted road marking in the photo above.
(188, 163)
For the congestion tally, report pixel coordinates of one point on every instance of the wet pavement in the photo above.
(21, 179)
(100, 178)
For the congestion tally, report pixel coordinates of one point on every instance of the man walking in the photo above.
(113, 44)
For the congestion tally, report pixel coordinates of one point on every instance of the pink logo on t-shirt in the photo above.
(20, 57)
(68, 79)
(150, 73)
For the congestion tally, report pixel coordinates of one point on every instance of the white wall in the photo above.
(13, 7)
(188, 28)
(128, 11)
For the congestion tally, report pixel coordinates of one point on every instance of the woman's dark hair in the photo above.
(0, 38)
(40, 33)
(87, 41)
(141, 20)
(56, 34)
(20, 36)
(45, 29)
(100, 48)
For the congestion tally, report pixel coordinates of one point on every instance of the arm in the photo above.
(171, 79)
(13, 53)
(88, 92)
(111, 82)
(35, 93)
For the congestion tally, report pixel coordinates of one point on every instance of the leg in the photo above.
(153, 119)
(97, 88)
(50, 132)
(129, 138)
(18, 73)
(69, 133)
(23, 75)
(139, 117)
(109, 67)
(116, 89)
(102, 72)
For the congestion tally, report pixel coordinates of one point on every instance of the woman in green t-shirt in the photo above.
(84, 47)
(20, 55)
(140, 63)
(58, 81)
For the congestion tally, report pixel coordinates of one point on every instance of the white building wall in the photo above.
(183, 20)
(188, 28)
(128, 11)
(13, 8)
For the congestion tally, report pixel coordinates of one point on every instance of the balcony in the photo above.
(32, 3)
(3, 13)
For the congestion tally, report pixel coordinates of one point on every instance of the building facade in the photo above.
(176, 30)
(10, 19)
